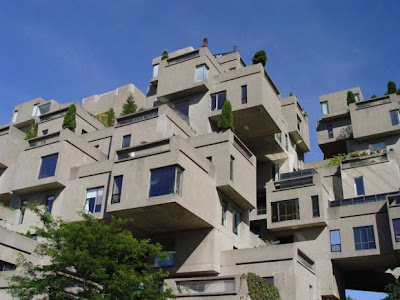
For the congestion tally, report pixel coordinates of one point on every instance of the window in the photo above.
(126, 141)
(94, 197)
(270, 279)
(231, 167)
(165, 181)
(275, 172)
(285, 210)
(35, 111)
(396, 229)
(378, 146)
(359, 185)
(83, 131)
(218, 100)
(244, 94)
(394, 116)
(167, 246)
(224, 210)
(15, 116)
(311, 292)
(298, 123)
(329, 127)
(233, 68)
(325, 108)
(261, 201)
(209, 158)
(287, 142)
(336, 245)
(201, 73)
(44, 109)
(183, 108)
(5, 266)
(357, 97)
(155, 70)
(237, 218)
(48, 166)
(45, 132)
(22, 208)
(315, 206)
(117, 189)
(49, 203)
(364, 238)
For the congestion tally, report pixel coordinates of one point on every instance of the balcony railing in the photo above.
(143, 150)
(297, 174)
(361, 199)
(137, 117)
(44, 140)
(295, 179)
(52, 116)
(373, 102)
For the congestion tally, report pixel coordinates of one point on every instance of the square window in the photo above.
(126, 141)
(359, 185)
(117, 189)
(325, 108)
(217, 100)
(285, 210)
(201, 73)
(364, 238)
(165, 181)
(94, 198)
(395, 117)
(244, 94)
(48, 166)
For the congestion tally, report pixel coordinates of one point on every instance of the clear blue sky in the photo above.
(67, 50)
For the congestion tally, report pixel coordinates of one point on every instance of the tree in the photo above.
(261, 289)
(226, 121)
(260, 57)
(350, 97)
(374, 96)
(32, 130)
(393, 291)
(110, 118)
(90, 260)
(70, 118)
(349, 298)
(164, 55)
(391, 88)
(129, 106)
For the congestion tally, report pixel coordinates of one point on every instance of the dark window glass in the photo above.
(48, 167)
(94, 198)
(315, 206)
(166, 180)
(269, 279)
(231, 167)
(45, 132)
(364, 238)
(359, 184)
(209, 158)
(49, 203)
(335, 241)
(396, 229)
(183, 108)
(395, 117)
(261, 201)
(5, 266)
(117, 189)
(298, 123)
(223, 216)
(244, 94)
(285, 210)
(330, 130)
(167, 246)
(218, 100)
(22, 208)
(237, 218)
(126, 141)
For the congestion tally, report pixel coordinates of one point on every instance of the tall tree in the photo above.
(260, 57)
(129, 106)
(70, 118)
(391, 88)
(226, 121)
(393, 291)
(110, 118)
(90, 260)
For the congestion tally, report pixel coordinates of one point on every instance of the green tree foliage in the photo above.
(260, 289)
(106, 118)
(70, 118)
(374, 96)
(349, 298)
(129, 106)
(226, 121)
(32, 130)
(350, 97)
(260, 57)
(398, 92)
(164, 55)
(393, 291)
(391, 88)
(90, 260)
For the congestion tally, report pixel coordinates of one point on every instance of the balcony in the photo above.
(44, 140)
(53, 115)
(364, 161)
(362, 199)
(295, 179)
(137, 117)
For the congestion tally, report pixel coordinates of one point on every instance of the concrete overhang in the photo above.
(196, 88)
(228, 189)
(39, 188)
(298, 139)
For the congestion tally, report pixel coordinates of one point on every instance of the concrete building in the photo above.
(225, 203)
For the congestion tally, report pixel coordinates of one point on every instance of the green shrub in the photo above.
(226, 121)
(70, 118)
(106, 118)
(129, 106)
(337, 159)
(374, 96)
(164, 55)
(391, 88)
(260, 289)
(350, 97)
(398, 92)
(260, 57)
(32, 130)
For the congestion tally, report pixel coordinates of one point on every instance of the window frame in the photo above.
(315, 206)
(115, 184)
(96, 206)
(202, 70)
(335, 244)
(244, 94)
(126, 141)
(178, 182)
(42, 166)
(326, 105)
(357, 188)
(216, 100)
(395, 117)
(368, 233)
(276, 209)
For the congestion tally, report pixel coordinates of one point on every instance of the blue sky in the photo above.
(67, 50)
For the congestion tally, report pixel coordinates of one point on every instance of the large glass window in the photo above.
(285, 210)
(155, 70)
(201, 73)
(49, 203)
(359, 185)
(166, 180)
(364, 238)
(126, 141)
(117, 189)
(395, 117)
(48, 166)
(336, 245)
(329, 127)
(315, 206)
(94, 198)
(218, 100)
(43, 109)
(325, 108)
(396, 229)
(244, 94)
(237, 219)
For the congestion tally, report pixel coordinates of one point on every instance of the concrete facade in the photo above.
(226, 203)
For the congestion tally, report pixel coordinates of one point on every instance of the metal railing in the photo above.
(361, 199)
(372, 102)
(364, 162)
(43, 140)
(297, 174)
(52, 116)
(138, 117)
